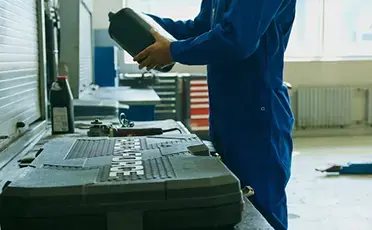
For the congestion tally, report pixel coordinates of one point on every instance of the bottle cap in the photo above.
(62, 77)
(111, 16)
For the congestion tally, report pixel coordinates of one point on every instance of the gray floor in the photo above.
(321, 202)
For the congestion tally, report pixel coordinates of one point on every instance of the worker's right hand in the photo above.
(158, 54)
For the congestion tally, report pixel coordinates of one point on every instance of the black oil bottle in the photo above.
(62, 107)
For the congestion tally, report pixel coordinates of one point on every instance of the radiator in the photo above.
(370, 106)
(324, 107)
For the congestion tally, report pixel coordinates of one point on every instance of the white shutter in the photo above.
(85, 46)
(19, 64)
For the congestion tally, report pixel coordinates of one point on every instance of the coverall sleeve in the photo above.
(235, 38)
(190, 28)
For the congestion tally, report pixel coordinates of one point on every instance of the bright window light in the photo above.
(348, 28)
(306, 39)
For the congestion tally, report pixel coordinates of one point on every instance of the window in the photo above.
(348, 28)
(305, 40)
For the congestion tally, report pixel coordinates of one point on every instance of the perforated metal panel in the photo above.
(19, 64)
(169, 89)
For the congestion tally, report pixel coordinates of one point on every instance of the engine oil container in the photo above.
(132, 32)
(62, 107)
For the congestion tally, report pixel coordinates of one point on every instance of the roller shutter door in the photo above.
(85, 46)
(19, 64)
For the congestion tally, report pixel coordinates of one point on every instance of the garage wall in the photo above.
(101, 24)
(77, 43)
(317, 73)
(101, 9)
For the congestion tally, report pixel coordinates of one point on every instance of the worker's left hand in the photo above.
(158, 54)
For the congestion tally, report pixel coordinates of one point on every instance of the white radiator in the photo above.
(370, 106)
(324, 107)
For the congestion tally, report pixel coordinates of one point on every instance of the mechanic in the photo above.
(242, 42)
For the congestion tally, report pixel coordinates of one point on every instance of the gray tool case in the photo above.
(133, 183)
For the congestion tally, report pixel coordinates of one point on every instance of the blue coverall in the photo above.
(242, 42)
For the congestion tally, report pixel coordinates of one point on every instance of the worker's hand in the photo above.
(158, 54)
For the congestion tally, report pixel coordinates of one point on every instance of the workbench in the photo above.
(9, 168)
(141, 102)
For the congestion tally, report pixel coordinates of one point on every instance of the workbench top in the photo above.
(252, 219)
(124, 95)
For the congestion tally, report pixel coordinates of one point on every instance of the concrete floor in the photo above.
(321, 202)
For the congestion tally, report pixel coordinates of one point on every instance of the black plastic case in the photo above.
(132, 32)
(164, 182)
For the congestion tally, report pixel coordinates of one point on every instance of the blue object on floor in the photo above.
(360, 169)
